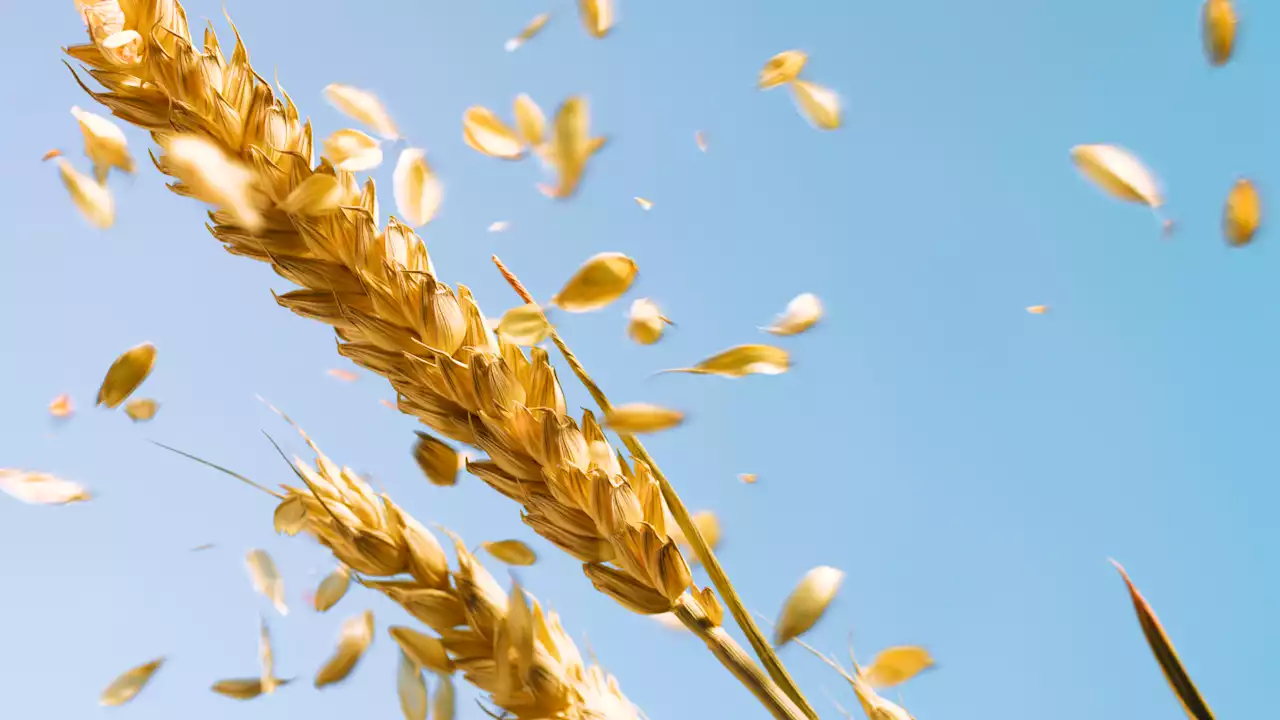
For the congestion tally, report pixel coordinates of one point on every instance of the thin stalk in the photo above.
(733, 657)
(683, 519)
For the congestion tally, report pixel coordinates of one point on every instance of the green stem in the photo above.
(683, 519)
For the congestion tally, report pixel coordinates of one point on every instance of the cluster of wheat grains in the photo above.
(504, 644)
(378, 289)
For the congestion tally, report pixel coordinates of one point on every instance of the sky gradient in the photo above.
(971, 466)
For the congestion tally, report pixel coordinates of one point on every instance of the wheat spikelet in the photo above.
(377, 288)
(504, 644)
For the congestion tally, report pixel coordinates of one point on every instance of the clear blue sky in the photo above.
(971, 466)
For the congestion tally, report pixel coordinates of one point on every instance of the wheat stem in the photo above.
(733, 657)
(682, 517)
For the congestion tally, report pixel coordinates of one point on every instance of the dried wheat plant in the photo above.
(233, 144)
(504, 644)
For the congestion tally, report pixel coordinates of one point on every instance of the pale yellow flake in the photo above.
(511, 552)
(353, 151)
(128, 685)
(640, 418)
(807, 603)
(1242, 214)
(603, 278)
(36, 488)
(533, 28)
(213, 177)
(524, 325)
(741, 361)
(486, 133)
(104, 143)
(142, 409)
(355, 637)
(362, 106)
(597, 16)
(266, 578)
(819, 105)
(91, 198)
(126, 374)
(645, 322)
(417, 190)
(782, 68)
(1218, 28)
(803, 312)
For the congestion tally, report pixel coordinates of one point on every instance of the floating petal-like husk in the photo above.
(571, 146)
(819, 105)
(524, 325)
(741, 361)
(244, 688)
(41, 488)
(92, 199)
(1118, 172)
(533, 28)
(597, 16)
(896, 665)
(266, 659)
(443, 705)
(266, 578)
(511, 552)
(602, 279)
(212, 176)
(425, 651)
(803, 312)
(645, 322)
(439, 462)
(127, 686)
(104, 143)
(332, 589)
(1218, 27)
(485, 132)
(1242, 214)
(128, 372)
(141, 410)
(353, 151)
(357, 634)
(61, 407)
(638, 418)
(782, 68)
(530, 122)
(807, 603)
(362, 106)
(417, 190)
(411, 688)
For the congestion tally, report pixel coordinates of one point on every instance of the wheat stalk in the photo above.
(378, 290)
(504, 644)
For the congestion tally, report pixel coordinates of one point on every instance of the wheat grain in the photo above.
(378, 289)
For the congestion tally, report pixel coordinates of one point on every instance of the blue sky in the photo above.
(969, 465)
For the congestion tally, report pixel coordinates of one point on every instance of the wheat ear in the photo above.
(504, 644)
(378, 290)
